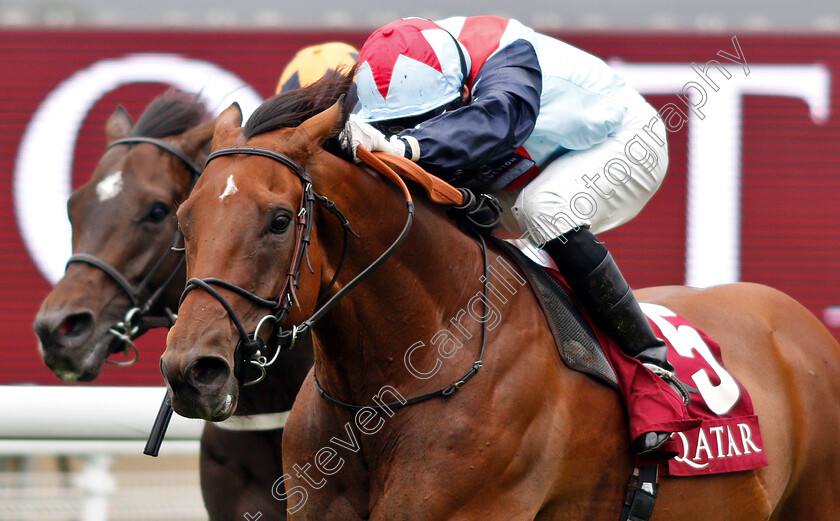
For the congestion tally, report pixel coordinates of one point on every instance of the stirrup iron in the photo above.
(671, 379)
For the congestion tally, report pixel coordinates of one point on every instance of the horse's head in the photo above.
(123, 222)
(243, 232)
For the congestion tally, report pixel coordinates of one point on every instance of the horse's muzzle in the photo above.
(59, 331)
(201, 387)
(69, 344)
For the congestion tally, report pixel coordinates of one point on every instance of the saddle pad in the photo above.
(728, 438)
(576, 342)
(718, 433)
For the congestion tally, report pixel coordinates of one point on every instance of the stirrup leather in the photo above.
(671, 379)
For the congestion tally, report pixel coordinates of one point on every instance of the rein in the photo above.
(444, 392)
(251, 347)
(139, 319)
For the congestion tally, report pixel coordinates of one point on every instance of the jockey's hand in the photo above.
(358, 132)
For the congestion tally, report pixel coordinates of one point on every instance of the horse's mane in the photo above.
(290, 109)
(172, 113)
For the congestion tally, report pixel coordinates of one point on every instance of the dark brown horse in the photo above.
(126, 223)
(525, 438)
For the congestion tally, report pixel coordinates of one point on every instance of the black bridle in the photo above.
(251, 348)
(140, 317)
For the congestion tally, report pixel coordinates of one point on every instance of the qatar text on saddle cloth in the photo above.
(728, 439)
(720, 433)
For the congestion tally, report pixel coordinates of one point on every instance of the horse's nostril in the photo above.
(208, 370)
(75, 325)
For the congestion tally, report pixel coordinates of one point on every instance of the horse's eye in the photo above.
(280, 223)
(157, 212)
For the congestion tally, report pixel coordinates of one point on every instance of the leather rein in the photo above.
(139, 317)
(252, 348)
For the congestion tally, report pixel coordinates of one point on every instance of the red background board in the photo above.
(789, 163)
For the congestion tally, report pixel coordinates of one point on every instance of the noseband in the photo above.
(139, 319)
(251, 348)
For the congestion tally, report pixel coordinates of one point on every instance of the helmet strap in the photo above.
(463, 60)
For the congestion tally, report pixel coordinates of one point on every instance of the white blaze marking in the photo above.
(110, 186)
(43, 182)
(230, 188)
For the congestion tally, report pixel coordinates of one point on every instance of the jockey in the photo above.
(311, 63)
(487, 103)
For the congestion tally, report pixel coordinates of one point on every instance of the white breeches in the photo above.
(601, 187)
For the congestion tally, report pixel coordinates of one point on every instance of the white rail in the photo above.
(92, 423)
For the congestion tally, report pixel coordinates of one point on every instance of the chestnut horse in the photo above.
(525, 438)
(125, 223)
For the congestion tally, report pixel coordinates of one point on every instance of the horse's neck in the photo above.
(408, 299)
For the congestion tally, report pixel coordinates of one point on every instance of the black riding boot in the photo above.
(597, 282)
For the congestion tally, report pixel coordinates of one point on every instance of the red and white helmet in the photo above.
(408, 68)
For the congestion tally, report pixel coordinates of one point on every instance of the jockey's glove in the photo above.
(356, 132)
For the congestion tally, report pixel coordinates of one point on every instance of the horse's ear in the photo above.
(194, 140)
(118, 125)
(228, 121)
(320, 127)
